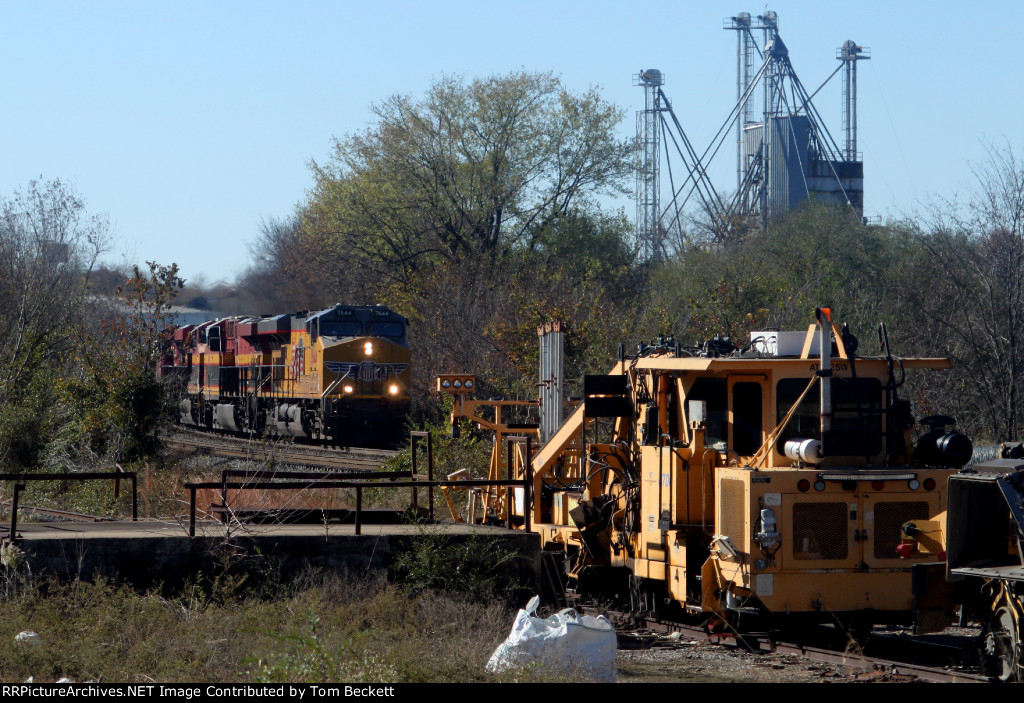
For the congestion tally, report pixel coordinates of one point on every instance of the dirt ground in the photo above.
(685, 661)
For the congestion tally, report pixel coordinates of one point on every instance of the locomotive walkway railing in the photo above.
(117, 475)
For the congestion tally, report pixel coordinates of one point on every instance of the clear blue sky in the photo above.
(188, 122)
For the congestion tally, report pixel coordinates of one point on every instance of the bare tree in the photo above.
(48, 247)
(975, 301)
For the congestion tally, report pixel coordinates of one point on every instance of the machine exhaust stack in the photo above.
(552, 374)
(825, 373)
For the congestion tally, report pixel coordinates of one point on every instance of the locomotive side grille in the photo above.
(889, 517)
(734, 512)
(820, 531)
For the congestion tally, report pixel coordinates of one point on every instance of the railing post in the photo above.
(413, 446)
(135, 497)
(359, 510)
(18, 487)
(509, 492)
(528, 506)
(192, 512)
(526, 481)
(430, 476)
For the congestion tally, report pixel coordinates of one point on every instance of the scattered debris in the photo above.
(26, 637)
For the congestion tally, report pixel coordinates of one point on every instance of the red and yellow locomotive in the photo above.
(339, 375)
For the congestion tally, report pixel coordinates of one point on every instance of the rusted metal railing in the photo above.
(21, 479)
(359, 480)
(303, 485)
(272, 474)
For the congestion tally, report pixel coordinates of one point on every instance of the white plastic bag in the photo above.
(26, 637)
(563, 643)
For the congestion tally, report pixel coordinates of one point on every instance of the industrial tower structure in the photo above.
(649, 229)
(786, 157)
(657, 128)
(849, 53)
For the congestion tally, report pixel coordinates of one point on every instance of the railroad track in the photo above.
(278, 452)
(884, 654)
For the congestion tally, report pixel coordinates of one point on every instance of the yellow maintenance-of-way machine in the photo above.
(780, 479)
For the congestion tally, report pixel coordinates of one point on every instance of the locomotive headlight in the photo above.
(349, 389)
(393, 389)
(368, 348)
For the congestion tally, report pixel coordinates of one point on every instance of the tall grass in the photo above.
(318, 628)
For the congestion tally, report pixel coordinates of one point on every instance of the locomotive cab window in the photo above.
(857, 424)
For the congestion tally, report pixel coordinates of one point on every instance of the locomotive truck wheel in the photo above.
(1002, 646)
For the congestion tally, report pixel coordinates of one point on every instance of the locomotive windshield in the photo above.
(384, 329)
(341, 328)
(355, 328)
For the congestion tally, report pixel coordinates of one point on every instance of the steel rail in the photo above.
(849, 661)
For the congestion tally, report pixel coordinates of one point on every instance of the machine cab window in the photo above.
(857, 423)
(713, 392)
(747, 421)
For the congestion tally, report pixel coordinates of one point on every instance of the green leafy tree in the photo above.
(470, 170)
(457, 208)
(816, 256)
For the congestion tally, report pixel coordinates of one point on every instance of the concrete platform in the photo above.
(154, 552)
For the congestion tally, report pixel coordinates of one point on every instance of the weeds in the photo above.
(308, 659)
(465, 451)
(470, 565)
(319, 628)
(14, 571)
